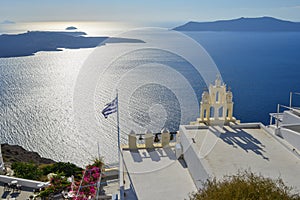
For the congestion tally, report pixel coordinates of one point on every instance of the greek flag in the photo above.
(110, 108)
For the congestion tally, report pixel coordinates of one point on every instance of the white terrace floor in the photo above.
(225, 151)
(157, 174)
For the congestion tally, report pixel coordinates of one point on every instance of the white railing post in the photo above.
(277, 118)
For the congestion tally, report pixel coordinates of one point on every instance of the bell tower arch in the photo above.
(216, 106)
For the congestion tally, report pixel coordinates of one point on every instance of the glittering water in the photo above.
(36, 92)
(36, 103)
(92, 28)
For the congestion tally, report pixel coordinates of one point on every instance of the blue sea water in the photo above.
(36, 92)
(261, 68)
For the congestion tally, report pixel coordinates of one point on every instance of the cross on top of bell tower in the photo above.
(218, 80)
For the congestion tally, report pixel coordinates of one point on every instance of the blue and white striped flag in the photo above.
(110, 108)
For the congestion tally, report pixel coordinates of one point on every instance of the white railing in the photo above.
(279, 115)
(291, 97)
(24, 182)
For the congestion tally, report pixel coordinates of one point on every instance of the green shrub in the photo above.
(247, 186)
(26, 170)
(35, 172)
(67, 169)
(98, 162)
(46, 169)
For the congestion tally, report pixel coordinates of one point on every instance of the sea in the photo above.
(37, 92)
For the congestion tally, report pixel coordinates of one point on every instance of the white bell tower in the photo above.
(216, 106)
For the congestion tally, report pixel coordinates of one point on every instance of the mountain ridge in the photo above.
(268, 24)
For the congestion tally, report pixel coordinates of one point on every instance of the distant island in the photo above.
(261, 24)
(7, 22)
(27, 44)
(71, 28)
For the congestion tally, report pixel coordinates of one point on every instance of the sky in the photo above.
(145, 11)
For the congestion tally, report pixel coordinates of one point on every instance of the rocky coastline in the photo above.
(16, 153)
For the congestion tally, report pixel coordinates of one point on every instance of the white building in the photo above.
(214, 146)
(287, 124)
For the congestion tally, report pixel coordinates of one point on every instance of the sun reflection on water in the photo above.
(92, 28)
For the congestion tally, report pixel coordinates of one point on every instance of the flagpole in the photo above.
(118, 122)
(119, 145)
(110, 108)
(99, 180)
(99, 156)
